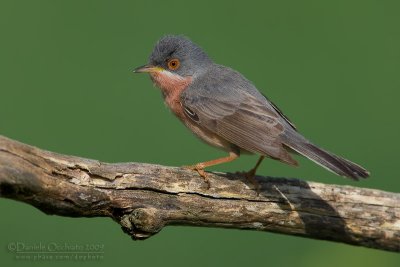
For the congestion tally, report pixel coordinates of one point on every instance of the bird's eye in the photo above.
(173, 64)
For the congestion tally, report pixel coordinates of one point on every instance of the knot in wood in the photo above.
(142, 223)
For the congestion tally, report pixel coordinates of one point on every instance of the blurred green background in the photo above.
(67, 85)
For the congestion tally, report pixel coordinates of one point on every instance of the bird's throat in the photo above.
(171, 85)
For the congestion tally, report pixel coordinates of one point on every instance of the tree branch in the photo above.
(143, 198)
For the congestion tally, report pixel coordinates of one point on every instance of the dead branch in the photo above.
(143, 198)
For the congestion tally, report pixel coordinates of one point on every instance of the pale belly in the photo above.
(208, 136)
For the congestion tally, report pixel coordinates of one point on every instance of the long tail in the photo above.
(336, 164)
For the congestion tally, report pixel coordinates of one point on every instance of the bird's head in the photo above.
(175, 60)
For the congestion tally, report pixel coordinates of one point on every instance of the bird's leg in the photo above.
(251, 173)
(199, 167)
(254, 169)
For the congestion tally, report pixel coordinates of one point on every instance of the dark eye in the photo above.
(173, 64)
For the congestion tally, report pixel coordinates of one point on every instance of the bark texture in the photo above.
(143, 198)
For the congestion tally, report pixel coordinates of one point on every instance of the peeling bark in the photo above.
(143, 198)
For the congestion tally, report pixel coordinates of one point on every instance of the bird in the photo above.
(225, 110)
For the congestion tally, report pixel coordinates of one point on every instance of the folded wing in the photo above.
(238, 116)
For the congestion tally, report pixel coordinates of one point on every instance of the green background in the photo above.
(66, 85)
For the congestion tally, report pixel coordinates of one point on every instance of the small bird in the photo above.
(224, 109)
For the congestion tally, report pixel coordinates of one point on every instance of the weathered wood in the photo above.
(143, 198)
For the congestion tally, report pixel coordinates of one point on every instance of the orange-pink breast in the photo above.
(172, 86)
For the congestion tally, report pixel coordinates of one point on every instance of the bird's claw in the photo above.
(200, 170)
(249, 175)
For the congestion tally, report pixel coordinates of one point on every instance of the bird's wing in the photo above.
(236, 111)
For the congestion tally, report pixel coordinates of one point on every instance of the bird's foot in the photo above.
(249, 175)
(200, 170)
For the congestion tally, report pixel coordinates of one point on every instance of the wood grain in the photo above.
(143, 198)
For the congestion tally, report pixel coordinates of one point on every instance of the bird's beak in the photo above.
(147, 68)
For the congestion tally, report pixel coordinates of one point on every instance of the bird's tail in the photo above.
(336, 164)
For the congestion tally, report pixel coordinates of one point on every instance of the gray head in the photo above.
(178, 55)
